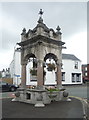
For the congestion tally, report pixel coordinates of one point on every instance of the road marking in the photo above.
(82, 99)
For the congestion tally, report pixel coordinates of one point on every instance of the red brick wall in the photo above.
(8, 80)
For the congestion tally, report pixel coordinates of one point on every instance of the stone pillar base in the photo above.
(68, 99)
(59, 86)
(39, 104)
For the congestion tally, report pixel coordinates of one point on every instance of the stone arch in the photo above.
(58, 66)
(51, 55)
(24, 60)
(31, 69)
(29, 55)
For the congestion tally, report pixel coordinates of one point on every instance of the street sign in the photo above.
(16, 75)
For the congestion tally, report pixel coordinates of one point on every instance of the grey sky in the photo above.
(87, 32)
(70, 16)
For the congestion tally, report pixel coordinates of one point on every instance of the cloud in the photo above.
(77, 45)
(0, 25)
(5, 58)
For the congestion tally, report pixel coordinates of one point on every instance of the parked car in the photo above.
(7, 87)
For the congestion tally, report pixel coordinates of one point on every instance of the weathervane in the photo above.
(41, 12)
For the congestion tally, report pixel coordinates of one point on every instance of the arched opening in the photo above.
(50, 67)
(31, 69)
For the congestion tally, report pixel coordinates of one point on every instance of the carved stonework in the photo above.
(41, 42)
(40, 45)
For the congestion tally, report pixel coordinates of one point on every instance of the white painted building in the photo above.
(71, 71)
(6, 73)
(12, 68)
(15, 67)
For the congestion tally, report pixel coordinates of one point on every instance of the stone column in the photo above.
(40, 81)
(59, 75)
(23, 76)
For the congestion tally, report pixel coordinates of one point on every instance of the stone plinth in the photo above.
(40, 97)
(33, 96)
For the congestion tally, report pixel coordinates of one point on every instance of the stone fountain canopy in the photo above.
(41, 43)
(41, 31)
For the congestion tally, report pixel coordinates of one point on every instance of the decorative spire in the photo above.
(41, 12)
(40, 18)
(24, 30)
(58, 28)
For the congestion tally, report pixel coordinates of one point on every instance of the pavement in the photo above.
(7, 95)
(74, 109)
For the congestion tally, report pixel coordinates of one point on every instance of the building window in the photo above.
(63, 76)
(33, 80)
(76, 65)
(85, 73)
(76, 77)
(73, 77)
(85, 68)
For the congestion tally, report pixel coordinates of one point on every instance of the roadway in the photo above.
(78, 90)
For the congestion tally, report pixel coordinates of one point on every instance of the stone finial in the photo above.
(24, 30)
(40, 20)
(58, 28)
(41, 12)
